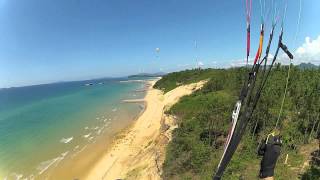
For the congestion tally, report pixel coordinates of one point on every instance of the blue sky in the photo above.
(44, 41)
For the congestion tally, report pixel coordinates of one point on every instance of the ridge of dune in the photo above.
(140, 151)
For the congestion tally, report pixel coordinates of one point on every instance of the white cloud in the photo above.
(200, 63)
(308, 52)
(238, 63)
(241, 62)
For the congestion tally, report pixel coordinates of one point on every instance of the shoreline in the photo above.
(79, 163)
(137, 152)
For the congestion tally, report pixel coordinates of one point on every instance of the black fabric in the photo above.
(270, 152)
(285, 49)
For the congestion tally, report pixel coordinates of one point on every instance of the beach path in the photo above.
(138, 153)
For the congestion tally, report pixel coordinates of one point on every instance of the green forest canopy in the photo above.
(204, 118)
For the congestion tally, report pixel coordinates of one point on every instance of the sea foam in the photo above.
(66, 140)
(86, 135)
(15, 176)
(128, 81)
(44, 166)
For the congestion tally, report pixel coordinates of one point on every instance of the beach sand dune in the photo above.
(138, 152)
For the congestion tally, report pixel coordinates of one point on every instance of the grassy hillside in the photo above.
(172, 80)
(204, 117)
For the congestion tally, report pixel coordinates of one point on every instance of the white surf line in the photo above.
(86, 135)
(44, 166)
(66, 140)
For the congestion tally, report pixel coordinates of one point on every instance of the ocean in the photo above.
(44, 127)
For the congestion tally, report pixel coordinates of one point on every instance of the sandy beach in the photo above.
(138, 152)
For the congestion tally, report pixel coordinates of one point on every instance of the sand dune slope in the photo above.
(139, 152)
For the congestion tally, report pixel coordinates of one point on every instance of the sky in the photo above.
(44, 41)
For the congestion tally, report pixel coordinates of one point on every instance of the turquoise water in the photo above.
(41, 125)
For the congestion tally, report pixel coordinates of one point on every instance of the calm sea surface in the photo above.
(41, 126)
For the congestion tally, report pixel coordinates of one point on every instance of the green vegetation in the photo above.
(312, 173)
(172, 80)
(204, 117)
